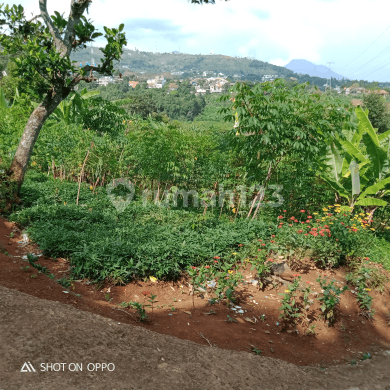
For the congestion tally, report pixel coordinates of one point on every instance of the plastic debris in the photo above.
(211, 283)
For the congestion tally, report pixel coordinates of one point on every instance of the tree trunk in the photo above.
(31, 132)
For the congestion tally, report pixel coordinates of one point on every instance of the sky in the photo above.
(354, 35)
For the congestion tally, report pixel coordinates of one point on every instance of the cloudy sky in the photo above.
(352, 34)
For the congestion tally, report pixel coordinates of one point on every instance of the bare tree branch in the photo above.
(59, 44)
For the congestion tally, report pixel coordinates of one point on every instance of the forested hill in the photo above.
(195, 64)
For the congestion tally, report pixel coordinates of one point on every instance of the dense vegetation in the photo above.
(70, 210)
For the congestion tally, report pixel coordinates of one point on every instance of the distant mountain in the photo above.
(307, 67)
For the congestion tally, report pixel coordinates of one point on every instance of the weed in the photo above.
(289, 305)
(361, 279)
(366, 356)
(152, 300)
(353, 362)
(310, 330)
(26, 268)
(330, 298)
(256, 351)
(64, 282)
(230, 319)
(107, 297)
(142, 316)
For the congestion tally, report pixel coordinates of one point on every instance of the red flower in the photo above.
(280, 226)
(193, 267)
(306, 234)
(295, 220)
(314, 228)
(290, 225)
(215, 261)
(263, 244)
(307, 282)
(207, 266)
(344, 215)
(272, 241)
(270, 260)
(296, 275)
(315, 234)
(216, 257)
(308, 221)
(273, 236)
(285, 211)
(329, 215)
(259, 249)
(326, 226)
(322, 234)
(280, 217)
(309, 217)
(241, 245)
(302, 211)
(292, 218)
(302, 222)
(259, 240)
(281, 223)
(299, 231)
(366, 258)
(337, 239)
(145, 292)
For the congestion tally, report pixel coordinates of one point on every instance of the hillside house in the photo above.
(105, 80)
(157, 82)
(356, 102)
(269, 77)
(216, 87)
(173, 87)
(200, 91)
(355, 90)
(133, 84)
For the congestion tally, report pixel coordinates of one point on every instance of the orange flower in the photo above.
(241, 245)
(216, 257)
(302, 211)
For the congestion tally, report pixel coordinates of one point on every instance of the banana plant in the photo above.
(18, 100)
(350, 166)
(68, 110)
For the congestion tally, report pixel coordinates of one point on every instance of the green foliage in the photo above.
(12, 123)
(378, 113)
(290, 306)
(330, 298)
(281, 122)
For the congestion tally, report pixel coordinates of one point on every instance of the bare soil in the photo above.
(181, 346)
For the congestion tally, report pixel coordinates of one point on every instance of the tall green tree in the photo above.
(378, 113)
(45, 43)
(275, 123)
